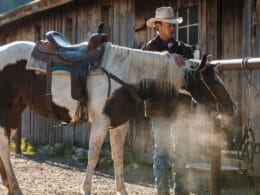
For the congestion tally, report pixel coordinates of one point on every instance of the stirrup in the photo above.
(81, 114)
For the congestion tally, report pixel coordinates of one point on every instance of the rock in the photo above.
(135, 166)
(80, 151)
(57, 145)
(45, 149)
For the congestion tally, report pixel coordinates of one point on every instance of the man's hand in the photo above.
(179, 60)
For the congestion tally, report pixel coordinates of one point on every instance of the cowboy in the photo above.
(158, 108)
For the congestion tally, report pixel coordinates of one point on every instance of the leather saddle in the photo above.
(83, 57)
(58, 49)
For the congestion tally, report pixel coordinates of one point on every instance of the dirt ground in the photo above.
(63, 176)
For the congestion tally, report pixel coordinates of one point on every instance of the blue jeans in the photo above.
(166, 156)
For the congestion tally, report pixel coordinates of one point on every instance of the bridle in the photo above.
(201, 77)
(208, 87)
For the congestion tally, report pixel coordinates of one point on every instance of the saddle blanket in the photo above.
(40, 66)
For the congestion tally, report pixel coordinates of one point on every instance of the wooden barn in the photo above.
(226, 29)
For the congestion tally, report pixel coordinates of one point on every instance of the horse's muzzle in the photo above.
(229, 110)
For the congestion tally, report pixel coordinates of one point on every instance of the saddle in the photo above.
(82, 58)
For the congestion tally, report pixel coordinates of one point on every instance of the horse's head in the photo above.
(206, 87)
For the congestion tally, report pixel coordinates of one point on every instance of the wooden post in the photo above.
(215, 164)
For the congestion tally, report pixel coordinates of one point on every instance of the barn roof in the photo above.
(31, 8)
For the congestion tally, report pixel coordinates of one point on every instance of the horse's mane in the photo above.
(14, 52)
(135, 65)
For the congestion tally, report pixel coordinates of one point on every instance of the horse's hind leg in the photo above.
(117, 139)
(6, 162)
(98, 132)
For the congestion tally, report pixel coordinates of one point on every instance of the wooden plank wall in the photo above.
(253, 89)
(220, 34)
(231, 35)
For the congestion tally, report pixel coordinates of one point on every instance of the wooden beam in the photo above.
(237, 64)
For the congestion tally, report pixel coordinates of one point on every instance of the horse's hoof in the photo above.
(17, 192)
(86, 189)
(121, 191)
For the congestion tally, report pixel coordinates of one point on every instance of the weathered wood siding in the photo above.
(227, 29)
(251, 79)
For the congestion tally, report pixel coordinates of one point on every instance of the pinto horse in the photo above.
(113, 97)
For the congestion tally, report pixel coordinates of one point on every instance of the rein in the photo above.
(207, 86)
(131, 90)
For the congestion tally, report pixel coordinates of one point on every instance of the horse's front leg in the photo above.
(3, 174)
(117, 139)
(14, 188)
(98, 132)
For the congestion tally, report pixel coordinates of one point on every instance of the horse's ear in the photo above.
(203, 62)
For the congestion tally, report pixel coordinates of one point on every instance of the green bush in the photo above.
(27, 146)
(60, 150)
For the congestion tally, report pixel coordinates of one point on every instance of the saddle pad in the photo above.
(36, 65)
(40, 66)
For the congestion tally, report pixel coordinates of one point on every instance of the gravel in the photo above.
(63, 176)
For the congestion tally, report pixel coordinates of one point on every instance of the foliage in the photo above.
(63, 149)
(27, 146)
(83, 158)
(60, 150)
(105, 159)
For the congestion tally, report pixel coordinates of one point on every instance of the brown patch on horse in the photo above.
(120, 107)
(161, 101)
(20, 87)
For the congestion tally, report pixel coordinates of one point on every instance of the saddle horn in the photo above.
(97, 38)
(101, 27)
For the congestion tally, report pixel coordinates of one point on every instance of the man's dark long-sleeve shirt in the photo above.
(173, 46)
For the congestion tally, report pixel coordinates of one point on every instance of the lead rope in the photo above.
(248, 145)
(248, 151)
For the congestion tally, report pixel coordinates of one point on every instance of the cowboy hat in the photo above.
(164, 14)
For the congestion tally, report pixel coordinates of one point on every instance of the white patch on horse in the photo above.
(134, 65)
(15, 51)
(61, 91)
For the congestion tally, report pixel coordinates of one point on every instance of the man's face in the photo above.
(166, 30)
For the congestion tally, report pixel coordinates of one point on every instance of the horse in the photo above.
(117, 89)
